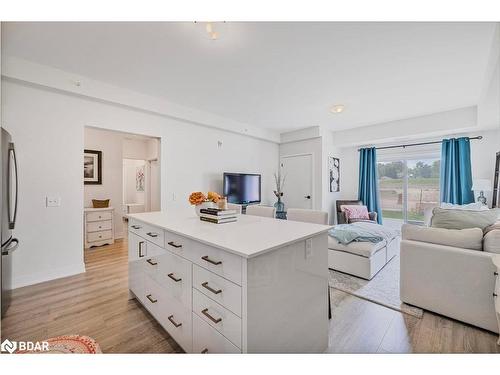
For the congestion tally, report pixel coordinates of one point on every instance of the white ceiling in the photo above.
(279, 76)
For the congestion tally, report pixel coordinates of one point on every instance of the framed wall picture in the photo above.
(140, 178)
(334, 172)
(92, 167)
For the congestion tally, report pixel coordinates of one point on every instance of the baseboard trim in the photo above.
(40, 277)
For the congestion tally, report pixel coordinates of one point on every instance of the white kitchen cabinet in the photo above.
(244, 287)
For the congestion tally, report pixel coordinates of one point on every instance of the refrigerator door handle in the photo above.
(12, 156)
(11, 246)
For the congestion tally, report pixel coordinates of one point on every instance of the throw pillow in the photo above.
(463, 219)
(355, 211)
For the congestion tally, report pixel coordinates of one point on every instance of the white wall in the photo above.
(110, 144)
(48, 127)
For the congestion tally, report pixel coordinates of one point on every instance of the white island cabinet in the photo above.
(258, 285)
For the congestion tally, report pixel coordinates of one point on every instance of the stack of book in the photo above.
(217, 216)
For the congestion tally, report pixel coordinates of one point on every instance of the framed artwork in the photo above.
(334, 172)
(139, 178)
(92, 167)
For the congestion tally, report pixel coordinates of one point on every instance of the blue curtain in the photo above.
(456, 175)
(368, 181)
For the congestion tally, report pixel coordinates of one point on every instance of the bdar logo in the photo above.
(8, 346)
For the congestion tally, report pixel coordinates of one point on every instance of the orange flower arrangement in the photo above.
(213, 196)
(198, 197)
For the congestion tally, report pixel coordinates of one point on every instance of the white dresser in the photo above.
(496, 294)
(258, 285)
(99, 226)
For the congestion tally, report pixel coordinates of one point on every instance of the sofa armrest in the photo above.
(458, 283)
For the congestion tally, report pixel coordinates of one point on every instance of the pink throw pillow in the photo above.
(355, 211)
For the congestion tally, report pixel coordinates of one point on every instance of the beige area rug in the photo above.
(383, 289)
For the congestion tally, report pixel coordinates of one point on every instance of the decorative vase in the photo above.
(202, 206)
(279, 205)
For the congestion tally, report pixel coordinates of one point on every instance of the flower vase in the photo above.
(202, 206)
(279, 205)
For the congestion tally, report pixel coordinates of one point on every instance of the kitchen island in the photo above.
(258, 285)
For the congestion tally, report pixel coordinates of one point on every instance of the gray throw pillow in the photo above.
(463, 219)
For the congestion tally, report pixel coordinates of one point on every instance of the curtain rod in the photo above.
(417, 144)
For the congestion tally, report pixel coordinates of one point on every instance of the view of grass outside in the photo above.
(423, 188)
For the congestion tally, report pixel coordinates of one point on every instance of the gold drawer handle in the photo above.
(150, 261)
(171, 319)
(172, 243)
(206, 286)
(204, 351)
(205, 312)
(171, 275)
(151, 299)
(207, 259)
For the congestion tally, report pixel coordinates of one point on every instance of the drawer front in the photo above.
(96, 226)
(175, 275)
(152, 258)
(218, 261)
(99, 216)
(218, 289)
(177, 244)
(99, 236)
(136, 227)
(208, 340)
(177, 321)
(151, 296)
(220, 318)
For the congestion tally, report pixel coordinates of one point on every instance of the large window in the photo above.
(408, 188)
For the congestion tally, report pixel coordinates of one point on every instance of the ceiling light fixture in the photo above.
(337, 108)
(210, 29)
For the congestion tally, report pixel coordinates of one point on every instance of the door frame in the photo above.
(313, 172)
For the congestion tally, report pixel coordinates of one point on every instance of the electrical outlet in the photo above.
(309, 248)
(53, 201)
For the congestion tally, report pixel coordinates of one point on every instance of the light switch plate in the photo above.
(309, 248)
(53, 201)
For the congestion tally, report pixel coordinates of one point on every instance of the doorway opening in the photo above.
(121, 176)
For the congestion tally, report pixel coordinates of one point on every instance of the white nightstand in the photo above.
(496, 295)
(99, 226)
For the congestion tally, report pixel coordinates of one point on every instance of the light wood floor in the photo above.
(97, 304)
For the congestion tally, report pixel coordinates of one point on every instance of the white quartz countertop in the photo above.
(247, 237)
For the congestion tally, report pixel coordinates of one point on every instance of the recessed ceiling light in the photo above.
(337, 108)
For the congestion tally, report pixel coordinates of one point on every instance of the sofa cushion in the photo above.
(476, 206)
(491, 241)
(364, 249)
(463, 219)
(471, 238)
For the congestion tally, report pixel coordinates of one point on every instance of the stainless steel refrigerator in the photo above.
(9, 194)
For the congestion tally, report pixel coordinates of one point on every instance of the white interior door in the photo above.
(298, 170)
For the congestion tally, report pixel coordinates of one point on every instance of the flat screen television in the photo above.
(242, 188)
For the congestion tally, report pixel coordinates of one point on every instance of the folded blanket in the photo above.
(362, 232)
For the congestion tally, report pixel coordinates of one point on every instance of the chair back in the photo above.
(340, 214)
(307, 216)
(263, 211)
